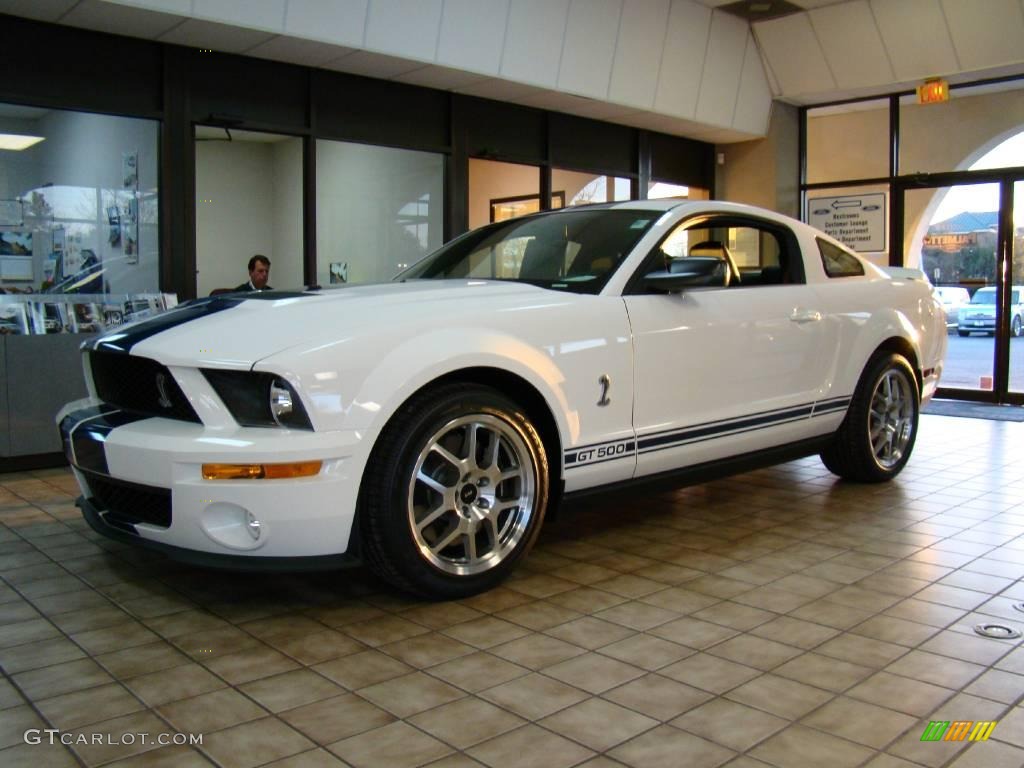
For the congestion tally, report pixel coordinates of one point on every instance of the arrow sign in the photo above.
(857, 221)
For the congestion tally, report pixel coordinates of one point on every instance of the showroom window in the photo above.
(500, 191)
(661, 190)
(580, 188)
(248, 202)
(78, 218)
(934, 186)
(379, 210)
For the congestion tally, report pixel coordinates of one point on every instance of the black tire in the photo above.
(876, 438)
(1016, 327)
(964, 333)
(444, 530)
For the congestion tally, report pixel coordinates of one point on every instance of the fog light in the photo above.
(252, 525)
(280, 401)
(261, 471)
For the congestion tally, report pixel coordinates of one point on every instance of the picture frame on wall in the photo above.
(130, 169)
(128, 206)
(505, 208)
(13, 318)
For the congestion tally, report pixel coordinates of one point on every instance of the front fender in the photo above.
(416, 362)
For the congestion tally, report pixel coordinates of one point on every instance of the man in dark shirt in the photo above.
(259, 274)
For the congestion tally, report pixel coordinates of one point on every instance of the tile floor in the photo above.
(777, 618)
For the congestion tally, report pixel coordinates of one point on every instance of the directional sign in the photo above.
(854, 220)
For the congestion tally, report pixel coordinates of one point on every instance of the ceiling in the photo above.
(632, 62)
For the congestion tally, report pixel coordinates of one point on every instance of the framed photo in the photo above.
(339, 272)
(13, 318)
(15, 243)
(130, 169)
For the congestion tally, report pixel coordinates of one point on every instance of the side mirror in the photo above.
(691, 272)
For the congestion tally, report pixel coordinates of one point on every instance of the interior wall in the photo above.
(234, 212)
(490, 180)
(848, 145)
(286, 269)
(365, 195)
(763, 172)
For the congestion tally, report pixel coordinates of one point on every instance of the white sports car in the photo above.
(426, 425)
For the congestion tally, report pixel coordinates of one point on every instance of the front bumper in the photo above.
(141, 481)
(977, 324)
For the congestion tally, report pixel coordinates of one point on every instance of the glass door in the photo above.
(1016, 384)
(951, 233)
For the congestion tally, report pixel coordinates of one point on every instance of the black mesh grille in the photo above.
(128, 502)
(139, 385)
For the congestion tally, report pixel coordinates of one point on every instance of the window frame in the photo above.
(820, 242)
(790, 252)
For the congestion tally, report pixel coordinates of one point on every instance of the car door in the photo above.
(726, 370)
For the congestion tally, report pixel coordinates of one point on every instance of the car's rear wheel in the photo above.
(1017, 327)
(964, 333)
(455, 492)
(875, 440)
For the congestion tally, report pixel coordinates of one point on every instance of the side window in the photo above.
(757, 253)
(837, 262)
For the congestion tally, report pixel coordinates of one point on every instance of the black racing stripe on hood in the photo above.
(122, 341)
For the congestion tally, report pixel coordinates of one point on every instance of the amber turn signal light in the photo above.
(261, 471)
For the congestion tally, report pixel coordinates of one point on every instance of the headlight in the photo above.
(259, 399)
(281, 407)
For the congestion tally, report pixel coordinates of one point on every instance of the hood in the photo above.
(238, 330)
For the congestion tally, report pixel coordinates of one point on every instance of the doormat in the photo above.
(974, 410)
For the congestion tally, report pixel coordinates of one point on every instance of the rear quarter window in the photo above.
(838, 262)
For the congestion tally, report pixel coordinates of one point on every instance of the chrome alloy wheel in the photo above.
(472, 494)
(891, 422)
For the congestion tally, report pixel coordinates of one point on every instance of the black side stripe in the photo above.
(714, 429)
(699, 433)
(725, 430)
(122, 341)
(832, 405)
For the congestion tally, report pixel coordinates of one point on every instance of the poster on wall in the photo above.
(13, 319)
(128, 207)
(130, 169)
(339, 272)
(15, 243)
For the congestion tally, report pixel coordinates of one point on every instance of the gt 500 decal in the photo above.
(594, 454)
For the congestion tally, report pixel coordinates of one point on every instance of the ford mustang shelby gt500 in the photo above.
(424, 426)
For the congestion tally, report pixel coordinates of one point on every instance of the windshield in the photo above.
(984, 296)
(572, 250)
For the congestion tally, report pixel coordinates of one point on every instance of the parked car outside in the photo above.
(425, 426)
(953, 298)
(980, 314)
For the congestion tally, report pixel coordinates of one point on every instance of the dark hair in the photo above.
(258, 257)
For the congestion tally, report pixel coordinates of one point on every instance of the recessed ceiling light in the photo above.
(18, 142)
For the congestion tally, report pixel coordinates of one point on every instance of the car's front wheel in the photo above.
(1017, 326)
(964, 333)
(876, 438)
(454, 493)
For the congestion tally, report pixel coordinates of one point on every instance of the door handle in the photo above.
(805, 316)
